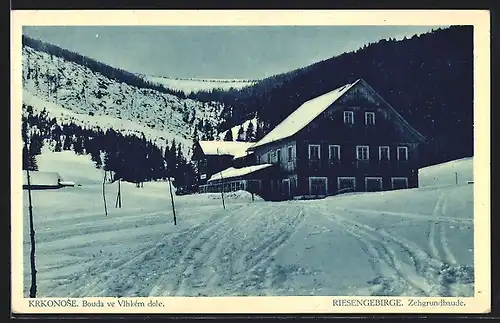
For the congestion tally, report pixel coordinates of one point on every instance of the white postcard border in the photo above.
(480, 19)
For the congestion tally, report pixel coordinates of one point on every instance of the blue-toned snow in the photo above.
(415, 242)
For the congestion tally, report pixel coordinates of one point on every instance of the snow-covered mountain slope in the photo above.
(104, 122)
(67, 89)
(414, 242)
(194, 85)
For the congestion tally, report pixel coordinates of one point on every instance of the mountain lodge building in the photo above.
(349, 139)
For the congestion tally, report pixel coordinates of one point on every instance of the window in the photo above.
(362, 153)
(399, 183)
(314, 152)
(402, 153)
(369, 118)
(318, 186)
(373, 184)
(278, 155)
(383, 153)
(348, 117)
(290, 153)
(258, 159)
(334, 152)
(346, 183)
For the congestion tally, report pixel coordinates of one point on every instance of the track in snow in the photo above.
(417, 274)
(249, 249)
(231, 251)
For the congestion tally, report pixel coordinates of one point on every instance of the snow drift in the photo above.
(450, 173)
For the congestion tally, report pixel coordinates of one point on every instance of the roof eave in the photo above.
(252, 148)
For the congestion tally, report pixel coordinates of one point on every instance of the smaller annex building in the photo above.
(234, 179)
(44, 180)
(214, 156)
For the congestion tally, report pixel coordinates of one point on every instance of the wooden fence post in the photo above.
(32, 239)
(104, 194)
(172, 200)
(118, 203)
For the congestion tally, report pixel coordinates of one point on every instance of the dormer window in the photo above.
(369, 118)
(348, 117)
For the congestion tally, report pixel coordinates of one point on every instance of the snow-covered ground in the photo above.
(194, 85)
(450, 173)
(415, 242)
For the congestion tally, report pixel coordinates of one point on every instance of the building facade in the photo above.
(214, 156)
(349, 139)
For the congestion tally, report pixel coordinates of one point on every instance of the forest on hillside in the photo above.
(427, 78)
(128, 157)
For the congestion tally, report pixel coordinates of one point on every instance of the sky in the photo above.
(238, 52)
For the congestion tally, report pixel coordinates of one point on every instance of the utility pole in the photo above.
(104, 194)
(172, 199)
(222, 183)
(119, 196)
(32, 238)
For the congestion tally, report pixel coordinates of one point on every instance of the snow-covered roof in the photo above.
(42, 178)
(243, 154)
(233, 148)
(311, 109)
(303, 115)
(236, 172)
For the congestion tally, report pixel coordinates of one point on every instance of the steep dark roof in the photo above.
(311, 109)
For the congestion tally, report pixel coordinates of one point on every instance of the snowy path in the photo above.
(417, 274)
(225, 250)
(337, 246)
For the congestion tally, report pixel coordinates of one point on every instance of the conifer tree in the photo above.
(208, 131)
(241, 134)
(229, 135)
(58, 146)
(78, 145)
(250, 134)
(95, 156)
(66, 142)
(258, 131)
(29, 160)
